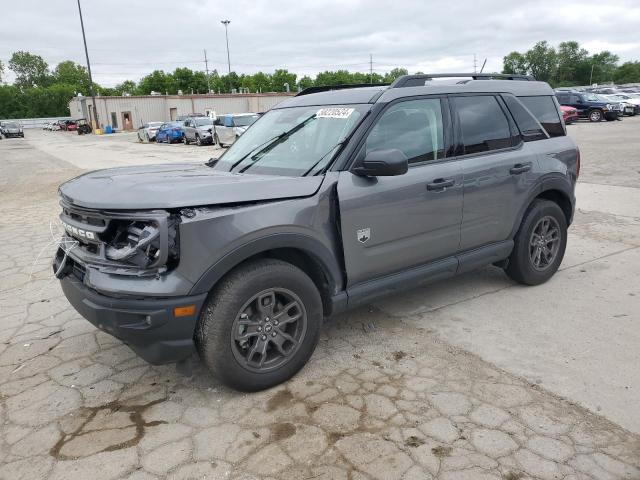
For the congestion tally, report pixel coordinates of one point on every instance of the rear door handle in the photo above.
(440, 184)
(519, 168)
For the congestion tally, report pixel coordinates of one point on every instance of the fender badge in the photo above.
(363, 235)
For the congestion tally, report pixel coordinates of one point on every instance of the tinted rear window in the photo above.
(484, 124)
(546, 111)
(527, 124)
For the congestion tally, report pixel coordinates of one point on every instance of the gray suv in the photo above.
(333, 198)
(198, 130)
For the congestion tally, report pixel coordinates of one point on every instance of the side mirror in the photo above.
(383, 163)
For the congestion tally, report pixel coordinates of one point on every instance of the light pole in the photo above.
(86, 52)
(226, 34)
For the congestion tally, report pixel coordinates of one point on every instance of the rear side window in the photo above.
(483, 123)
(563, 99)
(529, 127)
(414, 127)
(546, 111)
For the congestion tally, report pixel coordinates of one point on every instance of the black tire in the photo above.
(595, 115)
(521, 266)
(185, 140)
(198, 141)
(223, 354)
(216, 140)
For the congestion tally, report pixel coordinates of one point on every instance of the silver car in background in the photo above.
(147, 132)
(230, 127)
(198, 130)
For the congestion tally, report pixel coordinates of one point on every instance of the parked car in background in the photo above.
(228, 128)
(588, 105)
(147, 132)
(569, 114)
(84, 127)
(631, 100)
(72, 126)
(198, 130)
(170, 132)
(12, 129)
(182, 118)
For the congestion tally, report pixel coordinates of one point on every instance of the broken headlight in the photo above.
(144, 244)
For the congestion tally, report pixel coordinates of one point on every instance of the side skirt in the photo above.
(368, 291)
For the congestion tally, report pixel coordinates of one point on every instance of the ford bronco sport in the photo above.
(328, 201)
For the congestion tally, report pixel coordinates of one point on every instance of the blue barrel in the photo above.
(108, 129)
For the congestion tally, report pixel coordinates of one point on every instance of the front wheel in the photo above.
(260, 326)
(198, 141)
(595, 115)
(539, 244)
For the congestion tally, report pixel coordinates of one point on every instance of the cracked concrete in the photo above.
(389, 393)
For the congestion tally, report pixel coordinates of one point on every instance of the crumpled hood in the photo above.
(177, 186)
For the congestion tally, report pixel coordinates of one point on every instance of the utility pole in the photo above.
(591, 76)
(370, 68)
(226, 33)
(475, 64)
(86, 52)
(206, 67)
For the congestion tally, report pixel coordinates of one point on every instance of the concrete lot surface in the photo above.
(473, 378)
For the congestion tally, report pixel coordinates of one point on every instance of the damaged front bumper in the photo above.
(118, 271)
(148, 326)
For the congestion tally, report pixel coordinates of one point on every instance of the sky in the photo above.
(128, 39)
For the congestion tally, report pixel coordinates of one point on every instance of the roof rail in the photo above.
(327, 88)
(419, 80)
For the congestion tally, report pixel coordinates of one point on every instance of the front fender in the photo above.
(304, 243)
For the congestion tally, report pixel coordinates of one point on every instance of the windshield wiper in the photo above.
(310, 169)
(271, 144)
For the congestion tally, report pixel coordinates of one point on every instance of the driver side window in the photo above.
(414, 127)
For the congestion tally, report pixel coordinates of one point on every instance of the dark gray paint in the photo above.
(177, 186)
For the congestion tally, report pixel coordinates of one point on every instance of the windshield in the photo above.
(244, 120)
(11, 125)
(592, 97)
(292, 141)
(203, 121)
(155, 124)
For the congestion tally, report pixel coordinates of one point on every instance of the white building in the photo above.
(130, 112)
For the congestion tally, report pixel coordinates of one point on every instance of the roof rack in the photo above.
(327, 88)
(419, 80)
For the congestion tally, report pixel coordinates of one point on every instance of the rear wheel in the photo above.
(595, 115)
(185, 140)
(260, 326)
(539, 244)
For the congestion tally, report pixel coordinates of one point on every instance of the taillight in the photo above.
(577, 162)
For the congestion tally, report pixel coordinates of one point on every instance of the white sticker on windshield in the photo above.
(334, 112)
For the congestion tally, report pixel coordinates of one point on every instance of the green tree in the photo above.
(126, 87)
(628, 72)
(156, 81)
(305, 82)
(604, 66)
(395, 73)
(515, 63)
(1, 71)
(31, 70)
(70, 73)
(542, 61)
(571, 58)
(280, 77)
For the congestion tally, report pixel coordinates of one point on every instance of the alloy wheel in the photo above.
(544, 243)
(268, 330)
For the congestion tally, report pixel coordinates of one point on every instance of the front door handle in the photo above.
(519, 168)
(440, 184)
